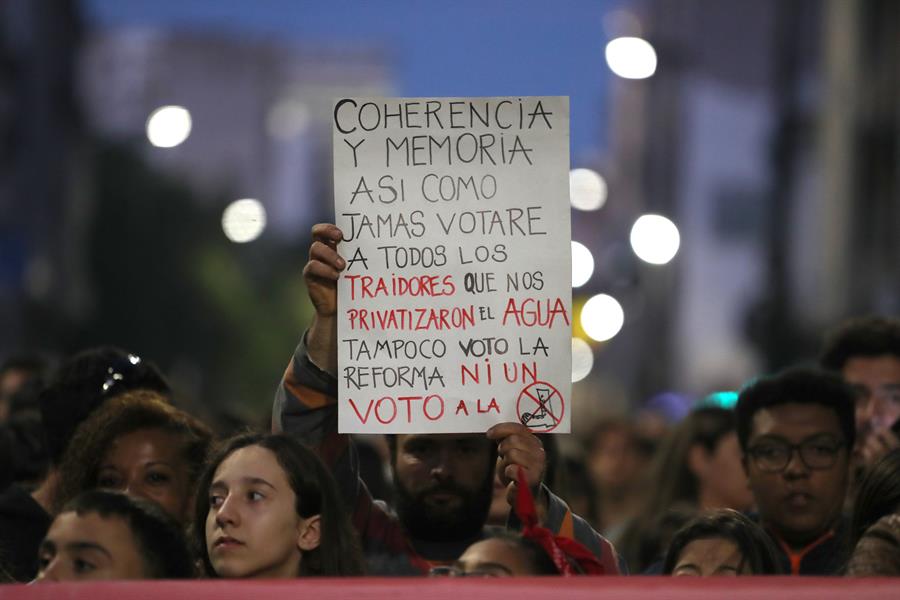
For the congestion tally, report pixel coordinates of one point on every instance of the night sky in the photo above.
(453, 48)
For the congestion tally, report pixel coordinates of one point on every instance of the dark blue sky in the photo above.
(442, 48)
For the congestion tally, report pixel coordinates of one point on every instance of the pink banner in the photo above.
(586, 588)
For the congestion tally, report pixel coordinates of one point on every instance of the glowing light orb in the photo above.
(631, 57)
(582, 359)
(582, 264)
(655, 239)
(168, 126)
(244, 220)
(587, 189)
(602, 317)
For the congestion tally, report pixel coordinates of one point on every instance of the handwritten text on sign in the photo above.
(455, 306)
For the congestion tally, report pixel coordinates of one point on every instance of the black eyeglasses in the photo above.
(773, 456)
(117, 373)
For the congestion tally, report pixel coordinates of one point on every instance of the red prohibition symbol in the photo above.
(540, 407)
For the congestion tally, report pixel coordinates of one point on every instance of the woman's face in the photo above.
(252, 528)
(710, 556)
(724, 477)
(149, 463)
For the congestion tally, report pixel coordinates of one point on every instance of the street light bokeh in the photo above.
(655, 239)
(587, 189)
(582, 264)
(168, 126)
(244, 220)
(631, 58)
(602, 317)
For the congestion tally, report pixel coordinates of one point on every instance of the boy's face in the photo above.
(799, 503)
(89, 547)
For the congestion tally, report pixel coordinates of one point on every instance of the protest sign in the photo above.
(454, 311)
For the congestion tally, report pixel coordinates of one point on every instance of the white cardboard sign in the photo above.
(455, 306)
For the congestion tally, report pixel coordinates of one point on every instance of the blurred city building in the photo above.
(769, 134)
(260, 110)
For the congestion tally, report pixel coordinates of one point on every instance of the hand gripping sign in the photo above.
(455, 306)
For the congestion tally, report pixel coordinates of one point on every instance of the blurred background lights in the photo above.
(655, 239)
(587, 189)
(582, 359)
(631, 58)
(168, 126)
(602, 317)
(243, 220)
(582, 264)
(726, 399)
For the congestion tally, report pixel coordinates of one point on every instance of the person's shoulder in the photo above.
(601, 547)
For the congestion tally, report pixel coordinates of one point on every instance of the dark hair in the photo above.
(29, 450)
(869, 336)
(878, 552)
(317, 494)
(675, 480)
(878, 494)
(83, 382)
(677, 490)
(539, 562)
(756, 548)
(605, 426)
(7, 463)
(132, 411)
(801, 385)
(161, 541)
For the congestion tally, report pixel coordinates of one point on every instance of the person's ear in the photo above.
(309, 533)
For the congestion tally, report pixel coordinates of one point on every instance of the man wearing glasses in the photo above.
(866, 352)
(796, 430)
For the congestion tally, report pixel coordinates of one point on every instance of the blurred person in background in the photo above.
(105, 535)
(6, 478)
(721, 542)
(615, 461)
(15, 372)
(866, 352)
(796, 430)
(30, 460)
(876, 521)
(139, 444)
(698, 467)
(878, 552)
(78, 386)
(267, 508)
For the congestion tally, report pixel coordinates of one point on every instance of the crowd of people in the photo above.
(102, 476)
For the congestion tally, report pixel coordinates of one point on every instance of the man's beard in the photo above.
(433, 524)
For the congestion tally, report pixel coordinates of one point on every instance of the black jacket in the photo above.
(23, 525)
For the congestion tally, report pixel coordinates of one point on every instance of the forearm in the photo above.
(306, 407)
(321, 343)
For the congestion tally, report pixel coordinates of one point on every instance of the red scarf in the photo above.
(563, 551)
